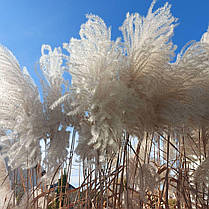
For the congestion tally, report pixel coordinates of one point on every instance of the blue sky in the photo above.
(25, 24)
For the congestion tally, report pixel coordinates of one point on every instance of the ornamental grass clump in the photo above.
(139, 115)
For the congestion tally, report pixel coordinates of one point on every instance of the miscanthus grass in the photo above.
(137, 118)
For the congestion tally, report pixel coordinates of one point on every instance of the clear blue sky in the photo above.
(27, 24)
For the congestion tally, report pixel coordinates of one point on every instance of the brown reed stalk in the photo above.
(167, 173)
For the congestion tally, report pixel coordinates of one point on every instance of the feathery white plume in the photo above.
(21, 112)
(93, 64)
(205, 37)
